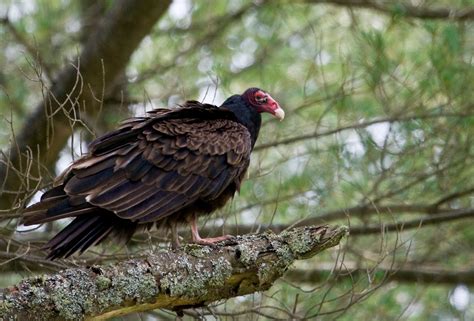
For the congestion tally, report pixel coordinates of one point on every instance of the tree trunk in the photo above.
(78, 91)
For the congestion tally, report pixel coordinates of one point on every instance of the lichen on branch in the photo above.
(190, 276)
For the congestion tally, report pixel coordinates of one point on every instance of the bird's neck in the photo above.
(245, 114)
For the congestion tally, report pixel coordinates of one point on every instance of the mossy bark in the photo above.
(191, 276)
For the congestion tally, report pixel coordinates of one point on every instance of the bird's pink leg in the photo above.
(206, 241)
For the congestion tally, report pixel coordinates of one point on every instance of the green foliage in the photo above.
(390, 97)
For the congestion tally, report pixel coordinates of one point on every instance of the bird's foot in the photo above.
(211, 240)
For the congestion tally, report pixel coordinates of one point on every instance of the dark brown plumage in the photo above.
(165, 168)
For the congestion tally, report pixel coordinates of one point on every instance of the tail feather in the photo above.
(86, 231)
(54, 209)
(80, 242)
(91, 224)
(54, 192)
(75, 229)
(97, 237)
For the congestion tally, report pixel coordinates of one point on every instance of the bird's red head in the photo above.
(263, 102)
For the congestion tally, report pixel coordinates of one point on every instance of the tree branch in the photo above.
(432, 218)
(391, 119)
(416, 274)
(404, 9)
(104, 56)
(448, 216)
(32, 50)
(188, 277)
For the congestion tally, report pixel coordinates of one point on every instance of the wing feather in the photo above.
(126, 188)
(161, 205)
(132, 199)
(154, 167)
(77, 185)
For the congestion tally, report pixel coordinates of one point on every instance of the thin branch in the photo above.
(370, 209)
(453, 196)
(415, 223)
(359, 125)
(432, 219)
(404, 9)
(46, 69)
(418, 274)
(39, 262)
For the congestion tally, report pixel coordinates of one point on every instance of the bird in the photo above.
(163, 169)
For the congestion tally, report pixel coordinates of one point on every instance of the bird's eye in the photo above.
(261, 99)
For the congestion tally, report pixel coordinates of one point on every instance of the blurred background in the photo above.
(378, 135)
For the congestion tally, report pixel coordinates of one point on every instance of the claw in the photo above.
(205, 241)
(211, 240)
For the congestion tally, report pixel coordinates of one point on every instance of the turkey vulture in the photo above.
(166, 168)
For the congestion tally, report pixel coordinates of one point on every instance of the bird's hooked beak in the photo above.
(273, 107)
(279, 113)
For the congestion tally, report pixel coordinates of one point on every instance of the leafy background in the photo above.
(379, 132)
